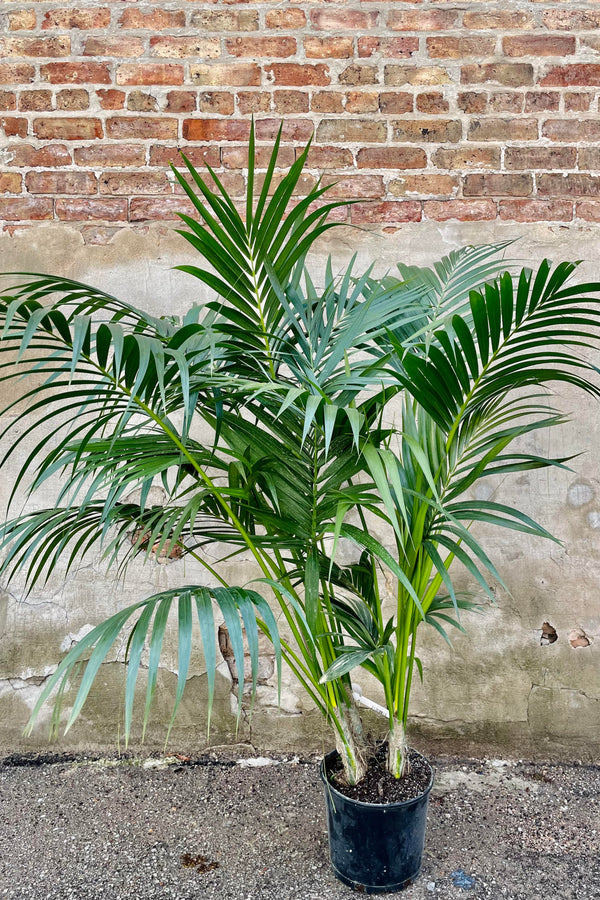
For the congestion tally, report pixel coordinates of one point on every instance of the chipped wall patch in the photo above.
(578, 639)
(549, 634)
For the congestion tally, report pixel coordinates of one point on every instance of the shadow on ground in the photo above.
(220, 827)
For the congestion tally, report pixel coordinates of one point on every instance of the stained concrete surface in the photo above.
(222, 826)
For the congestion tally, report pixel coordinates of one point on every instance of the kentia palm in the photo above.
(294, 382)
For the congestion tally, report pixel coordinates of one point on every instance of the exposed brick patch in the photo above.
(421, 110)
(463, 210)
(82, 209)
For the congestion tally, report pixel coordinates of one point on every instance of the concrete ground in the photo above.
(226, 827)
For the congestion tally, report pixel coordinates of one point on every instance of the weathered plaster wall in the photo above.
(500, 689)
(450, 123)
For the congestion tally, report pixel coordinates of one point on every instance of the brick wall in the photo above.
(432, 110)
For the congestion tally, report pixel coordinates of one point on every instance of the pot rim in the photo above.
(390, 805)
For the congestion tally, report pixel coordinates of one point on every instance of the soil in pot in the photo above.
(376, 844)
(379, 785)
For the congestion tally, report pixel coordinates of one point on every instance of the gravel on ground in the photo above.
(237, 827)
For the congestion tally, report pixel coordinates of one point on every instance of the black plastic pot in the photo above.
(374, 847)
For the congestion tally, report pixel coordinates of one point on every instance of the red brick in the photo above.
(31, 46)
(134, 183)
(231, 20)
(528, 158)
(13, 127)
(467, 158)
(138, 101)
(183, 101)
(10, 183)
(152, 19)
(424, 185)
(17, 209)
(198, 156)
(497, 185)
(570, 130)
(85, 19)
(505, 20)
(26, 156)
(297, 74)
(184, 47)
(220, 102)
(577, 102)
(329, 47)
(362, 102)
(391, 158)
(253, 102)
(287, 102)
(265, 47)
(110, 98)
(588, 158)
(578, 74)
(149, 73)
(539, 45)
(386, 211)
(432, 103)
(293, 129)
(60, 183)
(439, 131)
(536, 101)
(573, 184)
(143, 127)
(343, 19)
(571, 19)
(472, 101)
(104, 155)
(71, 129)
(391, 48)
(420, 20)
(229, 75)
(215, 130)
(75, 73)
(327, 102)
(463, 210)
(536, 210)
(82, 209)
(22, 20)
(426, 75)
(506, 101)
(16, 73)
(503, 130)
(447, 47)
(588, 210)
(237, 157)
(509, 74)
(143, 209)
(117, 45)
(320, 158)
(351, 131)
(359, 74)
(356, 186)
(32, 101)
(8, 100)
(73, 98)
(288, 19)
(396, 103)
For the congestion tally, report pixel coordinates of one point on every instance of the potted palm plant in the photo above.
(295, 382)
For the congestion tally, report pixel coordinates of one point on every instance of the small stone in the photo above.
(431, 886)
